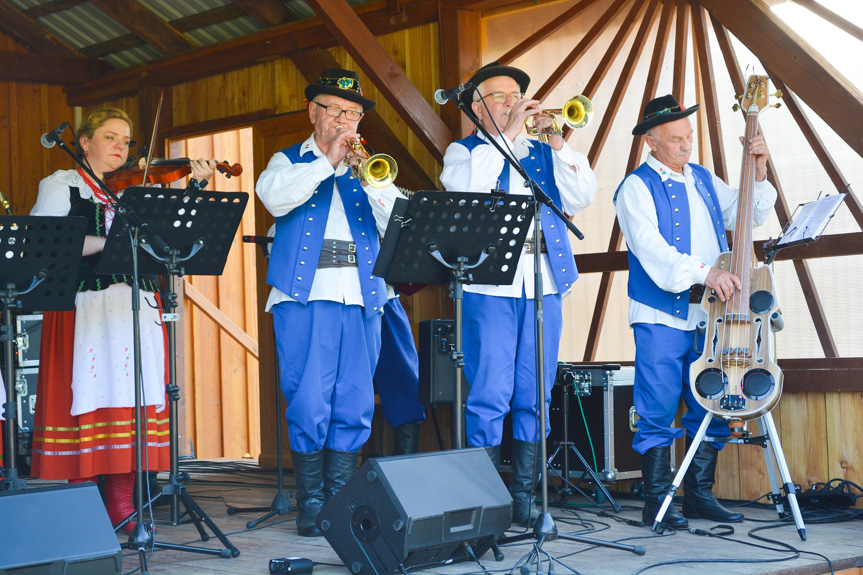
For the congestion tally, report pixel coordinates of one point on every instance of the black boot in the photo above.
(406, 439)
(698, 499)
(656, 474)
(526, 468)
(308, 472)
(494, 454)
(339, 467)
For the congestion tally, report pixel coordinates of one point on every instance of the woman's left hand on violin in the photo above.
(203, 169)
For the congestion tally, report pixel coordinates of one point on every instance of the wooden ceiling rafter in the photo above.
(460, 57)
(545, 31)
(681, 39)
(385, 73)
(651, 84)
(803, 69)
(801, 266)
(52, 8)
(145, 24)
(701, 41)
(185, 24)
(30, 34)
(245, 51)
(265, 12)
(44, 69)
(832, 17)
(570, 61)
(373, 128)
(604, 65)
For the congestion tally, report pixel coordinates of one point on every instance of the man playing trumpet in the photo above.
(499, 320)
(325, 301)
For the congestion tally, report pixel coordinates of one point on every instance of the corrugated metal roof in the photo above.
(224, 30)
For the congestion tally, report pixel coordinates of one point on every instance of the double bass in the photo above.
(736, 377)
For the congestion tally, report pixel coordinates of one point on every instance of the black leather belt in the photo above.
(696, 292)
(337, 254)
(530, 245)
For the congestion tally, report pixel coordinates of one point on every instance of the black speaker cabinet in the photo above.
(61, 530)
(416, 511)
(436, 368)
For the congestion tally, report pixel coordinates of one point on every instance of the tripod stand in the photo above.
(198, 220)
(281, 505)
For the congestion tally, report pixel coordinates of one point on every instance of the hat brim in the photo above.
(313, 90)
(658, 119)
(520, 77)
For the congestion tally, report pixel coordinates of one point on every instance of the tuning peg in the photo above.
(738, 97)
(777, 94)
(735, 107)
(777, 105)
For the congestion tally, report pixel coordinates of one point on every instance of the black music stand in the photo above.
(457, 238)
(200, 227)
(41, 253)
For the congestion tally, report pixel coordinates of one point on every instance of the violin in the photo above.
(162, 171)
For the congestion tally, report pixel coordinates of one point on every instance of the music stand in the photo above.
(201, 227)
(457, 238)
(41, 253)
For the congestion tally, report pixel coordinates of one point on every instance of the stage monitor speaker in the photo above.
(61, 530)
(417, 511)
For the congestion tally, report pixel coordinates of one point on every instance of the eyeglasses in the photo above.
(335, 112)
(500, 97)
(343, 83)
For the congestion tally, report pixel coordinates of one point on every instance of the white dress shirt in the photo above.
(478, 171)
(669, 269)
(284, 186)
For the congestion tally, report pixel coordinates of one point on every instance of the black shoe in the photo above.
(526, 469)
(698, 499)
(339, 467)
(406, 439)
(656, 474)
(308, 472)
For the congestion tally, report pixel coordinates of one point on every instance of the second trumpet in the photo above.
(377, 170)
(576, 113)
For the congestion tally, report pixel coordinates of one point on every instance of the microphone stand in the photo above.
(141, 538)
(545, 528)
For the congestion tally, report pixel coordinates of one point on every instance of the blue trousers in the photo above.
(662, 358)
(500, 365)
(327, 355)
(397, 374)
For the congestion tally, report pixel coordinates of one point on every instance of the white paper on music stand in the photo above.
(812, 219)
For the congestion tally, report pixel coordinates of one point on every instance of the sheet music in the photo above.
(812, 219)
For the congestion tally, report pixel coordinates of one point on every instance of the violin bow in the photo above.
(153, 136)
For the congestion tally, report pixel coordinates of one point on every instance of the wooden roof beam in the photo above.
(701, 40)
(801, 67)
(24, 67)
(243, 52)
(545, 31)
(832, 17)
(654, 72)
(145, 24)
(51, 8)
(30, 34)
(681, 38)
(387, 76)
(266, 12)
(460, 57)
(373, 128)
(580, 50)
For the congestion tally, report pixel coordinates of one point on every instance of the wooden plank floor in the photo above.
(215, 485)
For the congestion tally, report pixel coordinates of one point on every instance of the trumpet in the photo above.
(577, 112)
(377, 170)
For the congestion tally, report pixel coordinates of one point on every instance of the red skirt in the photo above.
(95, 443)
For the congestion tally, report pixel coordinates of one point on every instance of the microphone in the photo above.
(50, 139)
(443, 96)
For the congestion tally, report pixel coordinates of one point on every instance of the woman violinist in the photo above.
(85, 420)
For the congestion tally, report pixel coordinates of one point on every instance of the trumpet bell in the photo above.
(577, 112)
(379, 170)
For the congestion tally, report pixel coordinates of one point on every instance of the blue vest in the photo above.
(672, 213)
(540, 161)
(300, 235)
